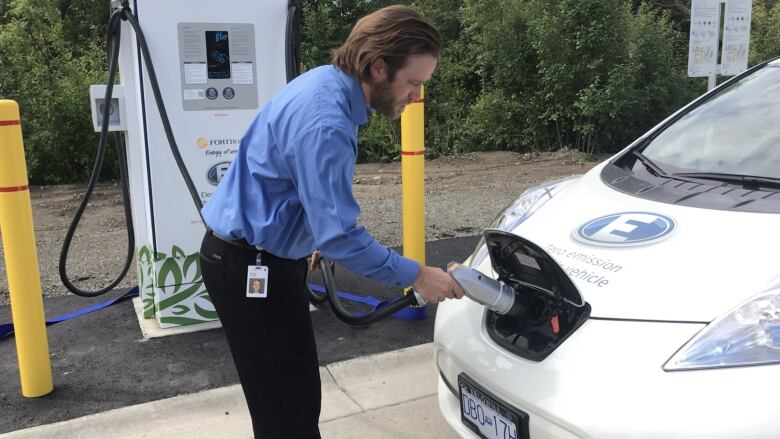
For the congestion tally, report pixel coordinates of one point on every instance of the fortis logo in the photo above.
(203, 142)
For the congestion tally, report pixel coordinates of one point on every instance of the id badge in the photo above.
(257, 281)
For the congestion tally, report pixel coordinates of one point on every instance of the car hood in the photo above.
(632, 258)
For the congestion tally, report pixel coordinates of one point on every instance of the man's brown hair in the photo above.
(393, 33)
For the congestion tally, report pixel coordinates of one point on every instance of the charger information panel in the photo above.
(218, 66)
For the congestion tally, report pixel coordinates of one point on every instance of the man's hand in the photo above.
(315, 260)
(435, 285)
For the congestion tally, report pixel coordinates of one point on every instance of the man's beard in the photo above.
(383, 101)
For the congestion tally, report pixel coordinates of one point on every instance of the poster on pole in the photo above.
(703, 43)
(736, 37)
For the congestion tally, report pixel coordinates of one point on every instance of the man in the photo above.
(289, 192)
(256, 286)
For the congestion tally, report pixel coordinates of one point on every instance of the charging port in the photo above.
(547, 307)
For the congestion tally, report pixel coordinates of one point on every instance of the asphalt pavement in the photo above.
(104, 368)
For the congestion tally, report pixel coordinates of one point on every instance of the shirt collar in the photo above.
(357, 101)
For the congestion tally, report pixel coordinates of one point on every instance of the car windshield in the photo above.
(736, 132)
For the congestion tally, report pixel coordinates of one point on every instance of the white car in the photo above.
(639, 300)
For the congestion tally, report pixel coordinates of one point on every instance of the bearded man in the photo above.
(288, 193)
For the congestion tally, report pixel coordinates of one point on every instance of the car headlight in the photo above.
(518, 211)
(745, 336)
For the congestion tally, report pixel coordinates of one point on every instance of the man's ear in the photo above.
(378, 70)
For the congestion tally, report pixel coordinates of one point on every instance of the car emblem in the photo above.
(625, 228)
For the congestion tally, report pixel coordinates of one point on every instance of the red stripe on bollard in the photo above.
(412, 152)
(8, 122)
(14, 188)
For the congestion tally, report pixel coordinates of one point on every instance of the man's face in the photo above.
(390, 98)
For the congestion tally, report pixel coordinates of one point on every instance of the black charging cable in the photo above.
(113, 38)
(410, 298)
(113, 41)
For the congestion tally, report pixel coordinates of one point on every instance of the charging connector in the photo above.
(494, 294)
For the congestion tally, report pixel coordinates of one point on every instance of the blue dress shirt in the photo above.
(289, 189)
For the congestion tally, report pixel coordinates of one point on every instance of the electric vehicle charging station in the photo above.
(216, 65)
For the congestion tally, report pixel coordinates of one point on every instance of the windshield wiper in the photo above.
(657, 171)
(649, 164)
(746, 180)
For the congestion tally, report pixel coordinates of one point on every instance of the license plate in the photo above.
(488, 416)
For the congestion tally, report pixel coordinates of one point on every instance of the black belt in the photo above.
(243, 244)
(240, 243)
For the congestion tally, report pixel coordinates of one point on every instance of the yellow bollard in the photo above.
(413, 179)
(21, 259)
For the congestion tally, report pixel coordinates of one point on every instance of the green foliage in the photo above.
(765, 32)
(545, 74)
(326, 24)
(380, 140)
(643, 86)
(49, 77)
(455, 85)
(514, 74)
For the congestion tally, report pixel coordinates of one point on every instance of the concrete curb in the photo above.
(389, 395)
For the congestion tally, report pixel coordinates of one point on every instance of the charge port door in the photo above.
(552, 307)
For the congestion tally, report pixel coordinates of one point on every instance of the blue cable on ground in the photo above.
(409, 313)
(8, 328)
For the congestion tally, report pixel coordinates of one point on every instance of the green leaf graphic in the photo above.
(180, 309)
(169, 267)
(207, 314)
(205, 296)
(189, 261)
(145, 254)
(178, 297)
(177, 252)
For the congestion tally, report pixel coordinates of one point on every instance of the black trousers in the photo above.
(271, 339)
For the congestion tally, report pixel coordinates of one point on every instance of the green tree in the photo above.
(765, 31)
(513, 74)
(646, 85)
(455, 84)
(562, 73)
(326, 24)
(50, 81)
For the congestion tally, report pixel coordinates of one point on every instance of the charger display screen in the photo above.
(218, 54)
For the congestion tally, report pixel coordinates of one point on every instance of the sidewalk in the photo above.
(388, 395)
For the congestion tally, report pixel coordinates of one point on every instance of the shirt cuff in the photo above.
(406, 272)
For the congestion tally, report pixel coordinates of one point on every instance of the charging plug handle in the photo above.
(493, 294)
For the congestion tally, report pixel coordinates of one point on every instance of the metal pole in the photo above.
(712, 79)
(24, 282)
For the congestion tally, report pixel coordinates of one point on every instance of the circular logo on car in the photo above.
(228, 92)
(212, 93)
(625, 228)
(202, 142)
(216, 172)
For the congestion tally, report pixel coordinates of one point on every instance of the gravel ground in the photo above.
(463, 194)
